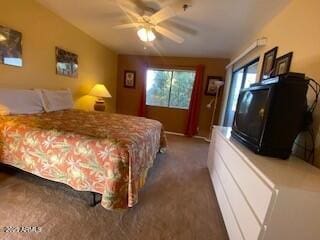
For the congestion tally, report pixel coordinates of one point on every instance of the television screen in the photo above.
(249, 119)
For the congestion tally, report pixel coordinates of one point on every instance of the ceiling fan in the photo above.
(148, 22)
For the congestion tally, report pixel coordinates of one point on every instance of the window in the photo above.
(251, 74)
(169, 88)
(241, 78)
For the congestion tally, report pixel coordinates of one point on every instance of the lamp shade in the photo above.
(99, 90)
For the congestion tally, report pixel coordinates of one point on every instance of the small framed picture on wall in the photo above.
(213, 83)
(66, 63)
(129, 79)
(10, 47)
(268, 63)
(283, 63)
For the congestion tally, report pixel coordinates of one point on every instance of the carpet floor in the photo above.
(177, 202)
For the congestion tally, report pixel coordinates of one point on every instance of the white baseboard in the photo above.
(174, 133)
(182, 135)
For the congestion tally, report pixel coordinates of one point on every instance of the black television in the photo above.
(270, 114)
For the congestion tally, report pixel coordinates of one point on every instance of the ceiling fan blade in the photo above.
(167, 12)
(162, 15)
(125, 26)
(140, 4)
(130, 11)
(165, 32)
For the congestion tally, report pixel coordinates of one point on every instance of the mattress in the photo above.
(89, 151)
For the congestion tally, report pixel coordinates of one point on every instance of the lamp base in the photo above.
(99, 106)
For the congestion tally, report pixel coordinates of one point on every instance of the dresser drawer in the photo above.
(227, 214)
(248, 222)
(256, 191)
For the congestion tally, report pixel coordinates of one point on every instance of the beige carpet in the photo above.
(177, 202)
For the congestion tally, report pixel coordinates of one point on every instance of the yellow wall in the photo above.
(42, 31)
(297, 29)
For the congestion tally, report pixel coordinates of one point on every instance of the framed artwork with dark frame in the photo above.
(129, 79)
(212, 83)
(10, 47)
(268, 63)
(283, 63)
(66, 63)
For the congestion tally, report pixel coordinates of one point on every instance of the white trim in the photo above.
(200, 137)
(174, 133)
(258, 43)
(225, 95)
(182, 135)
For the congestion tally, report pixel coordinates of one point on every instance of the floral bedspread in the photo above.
(89, 151)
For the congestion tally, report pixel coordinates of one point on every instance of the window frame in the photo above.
(245, 68)
(245, 71)
(172, 70)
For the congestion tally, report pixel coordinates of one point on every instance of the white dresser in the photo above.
(262, 197)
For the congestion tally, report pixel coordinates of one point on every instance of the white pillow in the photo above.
(56, 100)
(19, 101)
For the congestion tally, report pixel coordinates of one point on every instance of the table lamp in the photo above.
(100, 91)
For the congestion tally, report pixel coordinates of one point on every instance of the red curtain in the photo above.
(142, 107)
(194, 108)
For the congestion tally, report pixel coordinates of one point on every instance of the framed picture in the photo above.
(212, 85)
(10, 47)
(66, 63)
(283, 63)
(268, 63)
(129, 79)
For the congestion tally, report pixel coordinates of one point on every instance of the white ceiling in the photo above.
(211, 28)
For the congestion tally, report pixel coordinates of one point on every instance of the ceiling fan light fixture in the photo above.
(146, 35)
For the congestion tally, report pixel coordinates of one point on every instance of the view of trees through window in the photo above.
(169, 88)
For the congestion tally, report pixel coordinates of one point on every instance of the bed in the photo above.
(98, 152)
